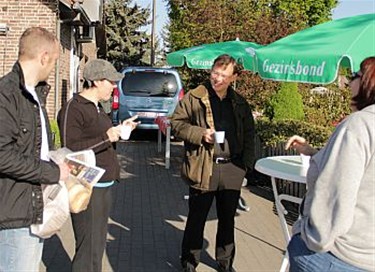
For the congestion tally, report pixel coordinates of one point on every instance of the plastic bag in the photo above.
(55, 211)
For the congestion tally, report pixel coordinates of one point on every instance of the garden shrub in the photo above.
(287, 103)
(273, 132)
(56, 133)
(326, 109)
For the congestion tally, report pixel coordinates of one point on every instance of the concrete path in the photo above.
(148, 218)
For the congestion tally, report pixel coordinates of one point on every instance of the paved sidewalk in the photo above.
(148, 218)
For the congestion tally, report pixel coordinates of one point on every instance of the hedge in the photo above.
(56, 133)
(271, 133)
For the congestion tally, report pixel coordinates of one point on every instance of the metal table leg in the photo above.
(159, 140)
(281, 212)
(168, 147)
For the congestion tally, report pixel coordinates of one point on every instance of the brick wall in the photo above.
(21, 14)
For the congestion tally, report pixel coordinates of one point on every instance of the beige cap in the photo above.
(99, 69)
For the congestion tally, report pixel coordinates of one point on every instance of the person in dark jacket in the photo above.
(24, 146)
(85, 125)
(212, 169)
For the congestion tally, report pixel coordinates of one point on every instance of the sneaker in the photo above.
(242, 205)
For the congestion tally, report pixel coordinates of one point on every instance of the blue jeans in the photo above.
(303, 259)
(20, 250)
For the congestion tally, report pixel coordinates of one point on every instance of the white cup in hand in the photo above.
(125, 132)
(219, 137)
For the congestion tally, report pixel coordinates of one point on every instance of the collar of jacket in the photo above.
(42, 89)
(202, 91)
(82, 100)
(79, 98)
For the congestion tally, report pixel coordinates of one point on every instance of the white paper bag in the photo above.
(55, 211)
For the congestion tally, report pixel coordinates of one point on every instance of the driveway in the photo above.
(148, 218)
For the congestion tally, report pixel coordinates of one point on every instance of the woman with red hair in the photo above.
(336, 227)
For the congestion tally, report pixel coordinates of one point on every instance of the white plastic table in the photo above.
(165, 128)
(286, 168)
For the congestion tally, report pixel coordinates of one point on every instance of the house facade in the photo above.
(76, 23)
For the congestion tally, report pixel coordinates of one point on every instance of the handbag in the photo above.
(55, 210)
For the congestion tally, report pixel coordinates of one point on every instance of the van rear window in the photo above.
(149, 84)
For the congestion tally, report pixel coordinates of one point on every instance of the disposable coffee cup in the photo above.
(125, 132)
(219, 137)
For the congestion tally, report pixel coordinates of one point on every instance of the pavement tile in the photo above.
(148, 218)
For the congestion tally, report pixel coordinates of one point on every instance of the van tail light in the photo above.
(181, 94)
(115, 99)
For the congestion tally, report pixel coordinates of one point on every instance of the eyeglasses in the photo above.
(355, 75)
(218, 74)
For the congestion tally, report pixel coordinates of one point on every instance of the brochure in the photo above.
(81, 164)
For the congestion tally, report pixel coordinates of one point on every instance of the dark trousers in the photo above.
(199, 206)
(90, 231)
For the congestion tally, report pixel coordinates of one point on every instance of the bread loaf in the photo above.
(79, 198)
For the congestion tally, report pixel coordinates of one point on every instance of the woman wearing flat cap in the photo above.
(84, 125)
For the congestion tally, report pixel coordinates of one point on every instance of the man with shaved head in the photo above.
(24, 145)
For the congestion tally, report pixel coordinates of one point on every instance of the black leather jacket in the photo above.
(21, 169)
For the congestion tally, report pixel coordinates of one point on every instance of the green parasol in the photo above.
(203, 56)
(314, 55)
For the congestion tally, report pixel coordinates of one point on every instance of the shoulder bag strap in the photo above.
(64, 127)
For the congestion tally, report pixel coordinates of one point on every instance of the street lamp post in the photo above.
(153, 33)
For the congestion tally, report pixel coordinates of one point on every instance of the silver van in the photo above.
(147, 92)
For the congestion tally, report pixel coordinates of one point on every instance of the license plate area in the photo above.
(146, 114)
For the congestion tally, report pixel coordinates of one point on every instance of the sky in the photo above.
(345, 8)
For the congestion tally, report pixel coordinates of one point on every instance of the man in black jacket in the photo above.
(24, 146)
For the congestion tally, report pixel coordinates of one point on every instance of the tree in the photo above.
(205, 21)
(127, 42)
(312, 12)
(196, 22)
(286, 103)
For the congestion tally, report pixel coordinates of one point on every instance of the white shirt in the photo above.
(44, 148)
